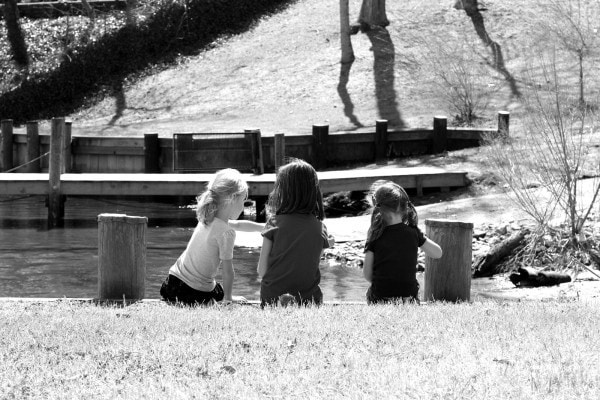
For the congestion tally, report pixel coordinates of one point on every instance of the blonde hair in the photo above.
(221, 190)
(387, 197)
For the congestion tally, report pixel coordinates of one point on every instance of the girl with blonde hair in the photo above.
(191, 279)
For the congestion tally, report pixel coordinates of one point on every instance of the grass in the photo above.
(529, 350)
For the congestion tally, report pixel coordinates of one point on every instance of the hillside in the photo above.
(283, 75)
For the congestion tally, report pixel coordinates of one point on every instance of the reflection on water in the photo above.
(63, 262)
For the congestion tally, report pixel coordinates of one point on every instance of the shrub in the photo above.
(175, 27)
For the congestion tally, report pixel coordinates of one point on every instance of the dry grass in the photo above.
(283, 75)
(531, 350)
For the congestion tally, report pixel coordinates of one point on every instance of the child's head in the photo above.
(226, 185)
(389, 199)
(297, 190)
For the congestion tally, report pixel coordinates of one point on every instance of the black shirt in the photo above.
(395, 261)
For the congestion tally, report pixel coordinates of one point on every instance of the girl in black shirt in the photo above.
(392, 246)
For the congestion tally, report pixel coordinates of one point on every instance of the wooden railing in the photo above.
(26, 151)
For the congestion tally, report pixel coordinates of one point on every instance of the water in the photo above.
(63, 262)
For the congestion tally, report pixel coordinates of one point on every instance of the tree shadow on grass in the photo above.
(472, 10)
(384, 55)
(342, 90)
(174, 29)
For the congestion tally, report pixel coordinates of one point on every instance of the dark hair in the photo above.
(388, 197)
(296, 190)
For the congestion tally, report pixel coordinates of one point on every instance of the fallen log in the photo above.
(488, 264)
(530, 277)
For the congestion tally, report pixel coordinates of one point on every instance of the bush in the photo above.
(175, 27)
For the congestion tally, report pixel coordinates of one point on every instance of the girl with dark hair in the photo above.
(294, 237)
(191, 279)
(392, 245)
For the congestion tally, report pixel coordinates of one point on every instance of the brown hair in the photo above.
(388, 197)
(297, 190)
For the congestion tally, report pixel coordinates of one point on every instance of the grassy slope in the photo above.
(283, 75)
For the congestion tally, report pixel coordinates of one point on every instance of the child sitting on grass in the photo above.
(294, 238)
(392, 245)
(191, 279)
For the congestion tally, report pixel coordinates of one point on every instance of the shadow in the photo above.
(120, 102)
(497, 61)
(383, 67)
(173, 30)
(342, 90)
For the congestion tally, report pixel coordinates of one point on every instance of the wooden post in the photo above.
(55, 200)
(260, 202)
(6, 150)
(121, 256)
(279, 150)
(440, 134)
(320, 134)
(33, 148)
(449, 277)
(259, 167)
(381, 131)
(66, 166)
(151, 153)
(504, 124)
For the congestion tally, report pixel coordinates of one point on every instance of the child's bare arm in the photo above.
(263, 259)
(368, 266)
(228, 275)
(246, 226)
(431, 249)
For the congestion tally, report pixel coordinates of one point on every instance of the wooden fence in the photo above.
(28, 152)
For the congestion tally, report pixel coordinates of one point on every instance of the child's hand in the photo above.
(331, 240)
(234, 300)
(239, 299)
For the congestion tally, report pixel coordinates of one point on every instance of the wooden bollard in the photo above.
(6, 150)
(151, 153)
(67, 155)
(55, 199)
(440, 134)
(449, 277)
(257, 150)
(33, 148)
(503, 124)
(279, 145)
(121, 257)
(381, 131)
(320, 135)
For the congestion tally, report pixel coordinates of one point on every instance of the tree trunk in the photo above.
(14, 34)
(488, 265)
(372, 13)
(346, 42)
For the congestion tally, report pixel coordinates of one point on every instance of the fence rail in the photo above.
(151, 153)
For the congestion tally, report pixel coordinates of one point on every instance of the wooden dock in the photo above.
(191, 184)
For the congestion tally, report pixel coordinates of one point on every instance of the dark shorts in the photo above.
(373, 298)
(175, 290)
(316, 298)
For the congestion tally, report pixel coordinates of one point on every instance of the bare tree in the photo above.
(553, 156)
(16, 40)
(346, 42)
(372, 13)
(574, 25)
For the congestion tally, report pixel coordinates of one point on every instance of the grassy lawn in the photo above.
(484, 350)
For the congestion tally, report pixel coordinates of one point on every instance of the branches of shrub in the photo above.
(176, 27)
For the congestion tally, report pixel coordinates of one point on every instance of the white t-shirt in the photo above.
(197, 266)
